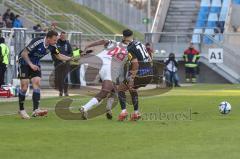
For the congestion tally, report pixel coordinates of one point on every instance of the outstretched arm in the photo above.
(62, 57)
(97, 43)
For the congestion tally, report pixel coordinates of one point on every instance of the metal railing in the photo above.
(37, 12)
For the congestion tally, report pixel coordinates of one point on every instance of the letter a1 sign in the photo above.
(215, 55)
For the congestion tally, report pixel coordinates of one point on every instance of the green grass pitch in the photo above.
(205, 134)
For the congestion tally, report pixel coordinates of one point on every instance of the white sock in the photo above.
(136, 111)
(90, 104)
(109, 103)
(124, 110)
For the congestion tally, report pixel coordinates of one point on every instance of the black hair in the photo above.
(172, 55)
(127, 32)
(51, 33)
(148, 44)
(63, 32)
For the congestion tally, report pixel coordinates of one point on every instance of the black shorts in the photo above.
(25, 72)
(140, 81)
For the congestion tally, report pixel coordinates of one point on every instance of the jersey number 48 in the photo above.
(119, 53)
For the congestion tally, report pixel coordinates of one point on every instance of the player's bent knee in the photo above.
(103, 94)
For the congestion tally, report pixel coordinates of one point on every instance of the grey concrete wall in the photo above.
(206, 74)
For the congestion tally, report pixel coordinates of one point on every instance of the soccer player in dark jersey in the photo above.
(30, 69)
(139, 75)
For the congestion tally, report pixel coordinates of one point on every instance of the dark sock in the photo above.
(122, 99)
(36, 98)
(134, 96)
(21, 99)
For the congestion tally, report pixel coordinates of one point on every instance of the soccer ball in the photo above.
(225, 107)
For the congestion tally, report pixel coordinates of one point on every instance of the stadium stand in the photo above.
(211, 20)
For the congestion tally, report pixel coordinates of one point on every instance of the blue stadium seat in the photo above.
(205, 3)
(196, 38)
(215, 10)
(211, 24)
(202, 17)
(204, 10)
(236, 1)
(213, 17)
(201, 24)
(198, 30)
(209, 31)
(216, 3)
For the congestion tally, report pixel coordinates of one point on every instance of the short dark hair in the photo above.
(51, 33)
(148, 44)
(63, 32)
(127, 32)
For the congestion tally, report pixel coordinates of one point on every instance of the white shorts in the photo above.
(105, 72)
(109, 72)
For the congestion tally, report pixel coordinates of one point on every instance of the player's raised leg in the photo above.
(107, 87)
(109, 105)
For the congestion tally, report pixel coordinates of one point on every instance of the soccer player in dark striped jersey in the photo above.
(140, 74)
(30, 69)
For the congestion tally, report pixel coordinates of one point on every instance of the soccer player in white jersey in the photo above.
(113, 58)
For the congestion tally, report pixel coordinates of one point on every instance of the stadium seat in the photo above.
(201, 23)
(216, 3)
(202, 17)
(215, 10)
(236, 1)
(205, 3)
(213, 17)
(196, 38)
(204, 10)
(211, 24)
(209, 31)
(198, 31)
